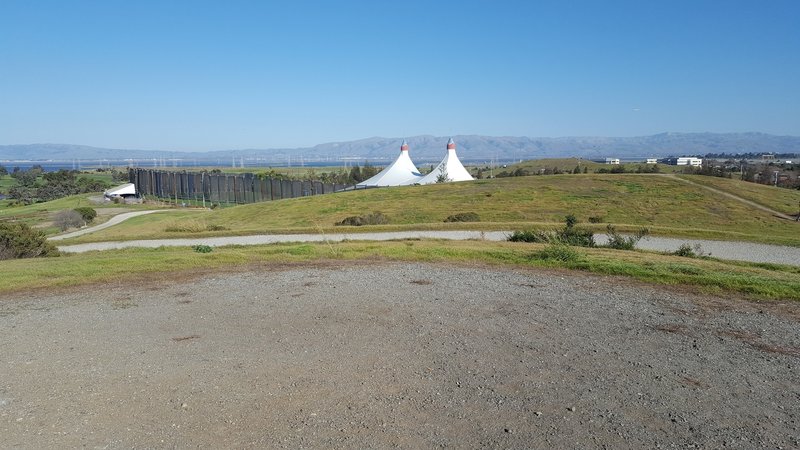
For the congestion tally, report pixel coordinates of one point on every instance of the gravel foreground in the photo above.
(397, 355)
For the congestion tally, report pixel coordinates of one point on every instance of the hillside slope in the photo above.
(667, 205)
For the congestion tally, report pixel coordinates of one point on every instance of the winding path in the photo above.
(111, 222)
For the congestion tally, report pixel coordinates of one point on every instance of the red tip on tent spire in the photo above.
(451, 145)
(404, 147)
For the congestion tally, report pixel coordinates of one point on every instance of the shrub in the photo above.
(200, 248)
(68, 218)
(690, 251)
(215, 228)
(532, 236)
(18, 240)
(569, 235)
(87, 213)
(369, 219)
(463, 217)
(684, 250)
(620, 242)
(570, 221)
(595, 219)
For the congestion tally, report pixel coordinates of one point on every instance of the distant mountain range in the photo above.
(431, 148)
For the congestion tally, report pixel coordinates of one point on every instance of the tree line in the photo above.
(35, 185)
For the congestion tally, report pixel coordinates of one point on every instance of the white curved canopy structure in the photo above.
(119, 191)
(401, 172)
(450, 167)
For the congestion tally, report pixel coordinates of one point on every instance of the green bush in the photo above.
(18, 240)
(620, 242)
(569, 235)
(369, 219)
(595, 219)
(690, 251)
(87, 213)
(685, 250)
(463, 217)
(200, 248)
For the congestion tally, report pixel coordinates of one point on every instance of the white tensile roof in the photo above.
(125, 189)
(401, 172)
(450, 164)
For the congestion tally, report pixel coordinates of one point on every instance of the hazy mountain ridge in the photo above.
(431, 148)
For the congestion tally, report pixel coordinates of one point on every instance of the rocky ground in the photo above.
(380, 354)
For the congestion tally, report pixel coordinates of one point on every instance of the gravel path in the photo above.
(743, 251)
(396, 355)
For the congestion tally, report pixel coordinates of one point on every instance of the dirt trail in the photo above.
(397, 355)
(735, 197)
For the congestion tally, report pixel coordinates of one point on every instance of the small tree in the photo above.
(23, 195)
(442, 177)
(68, 218)
(3, 170)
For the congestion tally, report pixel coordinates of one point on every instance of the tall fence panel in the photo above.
(223, 188)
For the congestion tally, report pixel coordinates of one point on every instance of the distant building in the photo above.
(652, 161)
(612, 160)
(689, 161)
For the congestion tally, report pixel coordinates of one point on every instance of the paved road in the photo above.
(742, 251)
(111, 222)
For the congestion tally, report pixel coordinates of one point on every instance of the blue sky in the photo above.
(194, 75)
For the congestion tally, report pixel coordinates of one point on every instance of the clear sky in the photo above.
(196, 75)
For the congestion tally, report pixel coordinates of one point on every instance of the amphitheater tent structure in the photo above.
(125, 190)
(400, 172)
(450, 167)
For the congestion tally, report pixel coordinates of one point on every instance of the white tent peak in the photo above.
(400, 172)
(450, 168)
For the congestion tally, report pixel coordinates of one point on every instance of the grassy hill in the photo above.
(783, 200)
(665, 204)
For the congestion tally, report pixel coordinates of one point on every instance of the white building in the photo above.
(652, 161)
(450, 168)
(401, 172)
(689, 161)
(612, 160)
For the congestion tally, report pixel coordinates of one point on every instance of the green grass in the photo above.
(755, 281)
(782, 200)
(666, 205)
